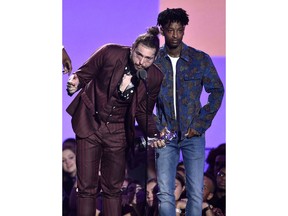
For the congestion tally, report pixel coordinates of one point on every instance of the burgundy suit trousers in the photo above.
(104, 150)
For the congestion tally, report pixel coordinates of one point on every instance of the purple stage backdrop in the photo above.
(87, 25)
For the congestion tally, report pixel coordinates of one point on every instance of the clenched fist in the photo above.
(72, 84)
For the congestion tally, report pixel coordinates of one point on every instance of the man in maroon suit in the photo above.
(115, 83)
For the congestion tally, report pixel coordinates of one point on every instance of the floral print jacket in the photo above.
(195, 70)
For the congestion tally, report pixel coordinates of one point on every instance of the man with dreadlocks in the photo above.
(186, 70)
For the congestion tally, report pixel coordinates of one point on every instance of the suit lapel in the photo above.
(115, 78)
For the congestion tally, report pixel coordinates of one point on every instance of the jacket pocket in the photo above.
(192, 76)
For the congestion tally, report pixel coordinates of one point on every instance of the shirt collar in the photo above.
(183, 55)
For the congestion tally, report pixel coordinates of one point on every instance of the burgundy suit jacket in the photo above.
(99, 77)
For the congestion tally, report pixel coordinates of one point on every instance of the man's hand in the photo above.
(191, 132)
(159, 143)
(72, 84)
(66, 62)
(181, 204)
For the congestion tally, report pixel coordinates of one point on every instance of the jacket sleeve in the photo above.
(214, 87)
(91, 68)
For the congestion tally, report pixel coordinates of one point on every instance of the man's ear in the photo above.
(210, 195)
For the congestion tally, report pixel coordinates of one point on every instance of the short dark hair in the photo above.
(69, 143)
(180, 163)
(181, 179)
(149, 39)
(214, 152)
(172, 15)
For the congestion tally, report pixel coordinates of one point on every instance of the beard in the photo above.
(173, 45)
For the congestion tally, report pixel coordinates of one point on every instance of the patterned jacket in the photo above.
(195, 69)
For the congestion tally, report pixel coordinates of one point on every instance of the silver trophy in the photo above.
(167, 137)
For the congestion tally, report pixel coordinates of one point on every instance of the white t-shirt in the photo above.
(174, 62)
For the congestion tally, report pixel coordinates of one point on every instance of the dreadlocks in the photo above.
(173, 15)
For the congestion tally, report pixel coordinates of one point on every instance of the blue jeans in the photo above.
(193, 152)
